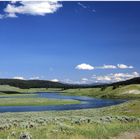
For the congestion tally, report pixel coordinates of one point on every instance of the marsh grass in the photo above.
(34, 101)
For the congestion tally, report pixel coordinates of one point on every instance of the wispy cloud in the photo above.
(123, 66)
(84, 66)
(19, 77)
(82, 5)
(86, 7)
(107, 67)
(120, 66)
(84, 79)
(40, 8)
(106, 78)
(114, 77)
(34, 78)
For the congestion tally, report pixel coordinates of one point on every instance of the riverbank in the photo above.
(32, 101)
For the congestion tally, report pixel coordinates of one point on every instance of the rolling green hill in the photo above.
(26, 84)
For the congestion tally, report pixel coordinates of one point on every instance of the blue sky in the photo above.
(80, 42)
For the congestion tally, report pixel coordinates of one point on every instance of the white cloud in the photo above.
(108, 78)
(34, 78)
(55, 80)
(84, 66)
(82, 5)
(123, 66)
(13, 1)
(103, 78)
(120, 66)
(19, 77)
(116, 77)
(136, 74)
(107, 67)
(40, 8)
(84, 79)
(12, 15)
(124, 76)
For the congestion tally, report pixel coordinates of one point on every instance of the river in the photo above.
(85, 103)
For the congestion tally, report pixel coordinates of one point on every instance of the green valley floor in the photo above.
(106, 122)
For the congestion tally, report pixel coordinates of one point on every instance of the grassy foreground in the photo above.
(105, 122)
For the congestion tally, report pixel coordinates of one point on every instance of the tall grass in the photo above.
(105, 122)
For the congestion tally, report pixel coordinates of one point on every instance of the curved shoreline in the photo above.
(86, 103)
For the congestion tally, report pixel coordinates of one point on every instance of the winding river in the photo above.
(85, 103)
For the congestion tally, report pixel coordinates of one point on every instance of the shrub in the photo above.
(25, 135)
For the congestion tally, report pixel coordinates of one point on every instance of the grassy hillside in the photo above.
(11, 90)
(128, 91)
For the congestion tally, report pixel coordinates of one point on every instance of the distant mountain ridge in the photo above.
(135, 80)
(49, 84)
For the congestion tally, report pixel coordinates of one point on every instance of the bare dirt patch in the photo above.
(129, 135)
(132, 92)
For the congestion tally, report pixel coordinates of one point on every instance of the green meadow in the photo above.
(106, 122)
(34, 101)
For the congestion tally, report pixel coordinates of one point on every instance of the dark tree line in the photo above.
(25, 84)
